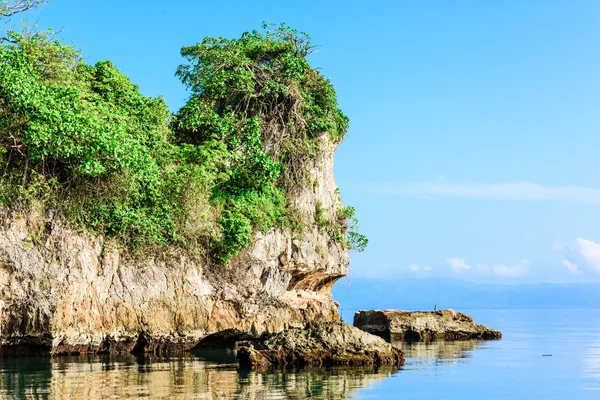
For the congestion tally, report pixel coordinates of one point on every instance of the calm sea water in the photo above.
(511, 368)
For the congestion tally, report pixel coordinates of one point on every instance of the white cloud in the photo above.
(419, 268)
(388, 271)
(573, 268)
(519, 270)
(498, 191)
(579, 261)
(581, 255)
(458, 265)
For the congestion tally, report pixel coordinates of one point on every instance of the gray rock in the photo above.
(398, 325)
(321, 344)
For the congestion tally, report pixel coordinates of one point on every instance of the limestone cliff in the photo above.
(63, 291)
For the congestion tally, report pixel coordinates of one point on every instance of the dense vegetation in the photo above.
(84, 140)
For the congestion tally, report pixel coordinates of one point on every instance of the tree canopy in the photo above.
(82, 138)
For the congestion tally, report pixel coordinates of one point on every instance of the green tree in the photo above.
(82, 138)
(85, 127)
(259, 97)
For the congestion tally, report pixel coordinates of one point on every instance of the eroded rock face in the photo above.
(321, 344)
(398, 325)
(67, 292)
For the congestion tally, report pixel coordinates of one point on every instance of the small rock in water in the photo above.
(321, 344)
(398, 325)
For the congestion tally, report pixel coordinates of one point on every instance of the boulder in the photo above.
(398, 325)
(321, 344)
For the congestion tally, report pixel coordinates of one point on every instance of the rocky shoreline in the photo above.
(317, 344)
(398, 325)
(322, 345)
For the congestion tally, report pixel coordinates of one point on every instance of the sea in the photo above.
(543, 354)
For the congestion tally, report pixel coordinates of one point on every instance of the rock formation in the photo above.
(321, 344)
(398, 325)
(63, 291)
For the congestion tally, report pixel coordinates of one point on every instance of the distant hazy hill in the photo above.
(423, 294)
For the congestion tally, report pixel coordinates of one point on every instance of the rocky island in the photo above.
(125, 228)
(398, 325)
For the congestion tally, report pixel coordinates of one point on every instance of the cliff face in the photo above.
(63, 291)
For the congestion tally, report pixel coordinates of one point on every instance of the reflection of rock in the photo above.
(321, 344)
(438, 351)
(100, 377)
(27, 345)
(399, 325)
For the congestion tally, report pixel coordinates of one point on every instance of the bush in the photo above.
(84, 139)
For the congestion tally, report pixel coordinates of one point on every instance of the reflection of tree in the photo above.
(102, 377)
(439, 352)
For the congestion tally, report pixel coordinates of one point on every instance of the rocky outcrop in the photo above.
(397, 325)
(65, 291)
(321, 344)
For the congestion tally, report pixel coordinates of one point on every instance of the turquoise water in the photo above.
(511, 368)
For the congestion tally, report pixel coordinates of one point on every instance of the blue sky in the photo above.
(473, 147)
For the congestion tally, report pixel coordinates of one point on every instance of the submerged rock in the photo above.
(321, 344)
(398, 325)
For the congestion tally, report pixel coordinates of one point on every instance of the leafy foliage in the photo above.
(88, 128)
(344, 228)
(84, 139)
(354, 239)
(259, 97)
(262, 77)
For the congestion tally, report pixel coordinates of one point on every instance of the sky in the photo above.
(473, 144)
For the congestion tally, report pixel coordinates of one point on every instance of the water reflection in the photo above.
(439, 352)
(208, 376)
(591, 363)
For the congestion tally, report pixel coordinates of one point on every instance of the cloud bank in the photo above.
(458, 265)
(497, 191)
(518, 270)
(578, 261)
(581, 256)
(419, 268)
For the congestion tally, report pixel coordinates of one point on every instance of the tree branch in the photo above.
(9, 8)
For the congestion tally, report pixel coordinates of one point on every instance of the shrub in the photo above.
(83, 138)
